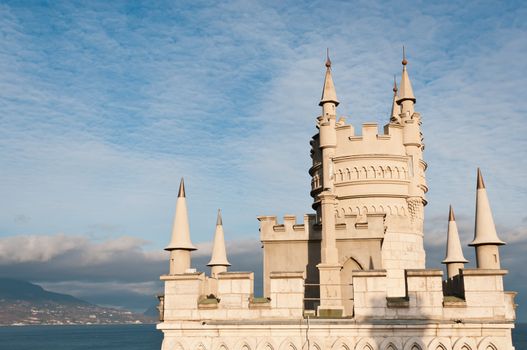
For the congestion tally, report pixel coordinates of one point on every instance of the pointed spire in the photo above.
(405, 87)
(485, 230)
(181, 192)
(219, 221)
(219, 253)
(396, 109)
(180, 229)
(329, 94)
(451, 216)
(480, 184)
(454, 253)
(404, 62)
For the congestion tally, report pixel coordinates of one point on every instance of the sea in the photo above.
(113, 337)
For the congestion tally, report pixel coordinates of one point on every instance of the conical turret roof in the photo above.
(180, 229)
(329, 94)
(219, 252)
(405, 87)
(485, 230)
(454, 252)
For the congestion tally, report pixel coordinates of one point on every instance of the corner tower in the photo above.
(180, 245)
(329, 267)
(486, 240)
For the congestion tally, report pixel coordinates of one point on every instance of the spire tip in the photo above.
(404, 62)
(394, 84)
(328, 61)
(451, 216)
(181, 192)
(219, 221)
(481, 184)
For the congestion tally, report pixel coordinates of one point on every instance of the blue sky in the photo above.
(105, 106)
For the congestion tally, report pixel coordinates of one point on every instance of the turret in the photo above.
(329, 268)
(454, 259)
(486, 239)
(218, 261)
(406, 94)
(396, 109)
(413, 142)
(326, 123)
(180, 245)
(329, 100)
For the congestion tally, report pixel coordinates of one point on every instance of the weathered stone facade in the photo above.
(351, 275)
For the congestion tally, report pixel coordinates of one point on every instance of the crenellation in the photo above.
(271, 230)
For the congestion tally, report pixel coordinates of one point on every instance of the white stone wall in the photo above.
(322, 335)
(186, 297)
(400, 251)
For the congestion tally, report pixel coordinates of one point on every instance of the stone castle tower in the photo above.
(352, 275)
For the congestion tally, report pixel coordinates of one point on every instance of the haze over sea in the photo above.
(120, 337)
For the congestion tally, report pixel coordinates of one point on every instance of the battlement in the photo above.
(367, 225)
(370, 141)
(482, 297)
(270, 229)
(195, 297)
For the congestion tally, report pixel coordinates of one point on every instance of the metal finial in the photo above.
(404, 62)
(451, 216)
(481, 184)
(181, 192)
(219, 221)
(328, 61)
(394, 85)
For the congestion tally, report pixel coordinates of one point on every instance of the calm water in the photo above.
(122, 337)
(128, 337)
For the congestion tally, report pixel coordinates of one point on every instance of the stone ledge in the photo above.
(398, 302)
(183, 276)
(453, 301)
(483, 272)
(329, 313)
(349, 323)
(235, 275)
(423, 272)
(287, 274)
(369, 273)
(259, 303)
(209, 302)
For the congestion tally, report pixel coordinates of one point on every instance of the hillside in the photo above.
(24, 303)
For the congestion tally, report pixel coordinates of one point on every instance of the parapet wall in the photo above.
(366, 225)
(370, 141)
(270, 229)
(195, 297)
(484, 298)
(186, 297)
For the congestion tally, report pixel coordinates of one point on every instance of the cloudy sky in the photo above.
(104, 107)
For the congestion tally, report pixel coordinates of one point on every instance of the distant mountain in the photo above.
(152, 311)
(24, 303)
(12, 289)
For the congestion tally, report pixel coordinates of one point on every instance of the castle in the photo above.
(351, 275)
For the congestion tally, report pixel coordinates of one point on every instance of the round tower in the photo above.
(486, 239)
(378, 183)
(454, 259)
(218, 262)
